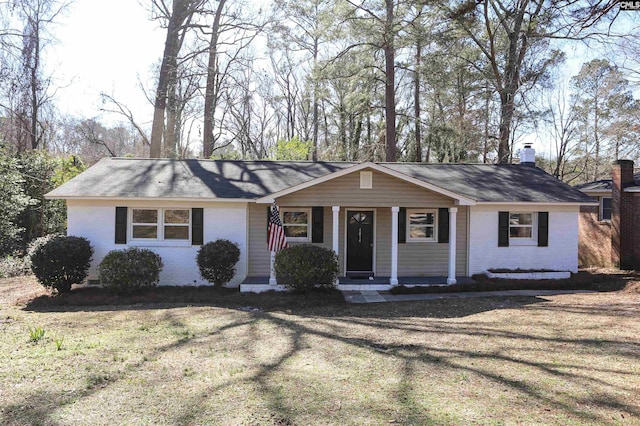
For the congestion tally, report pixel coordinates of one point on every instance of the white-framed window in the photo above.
(421, 225)
(605, 208)
(176, 224)
(521, 226)
(297, 224)
(158, 224)
(144, 224)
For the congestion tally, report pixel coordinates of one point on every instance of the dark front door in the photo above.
(360, 241)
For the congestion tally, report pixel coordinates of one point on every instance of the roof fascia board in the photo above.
(183, 199)
(461, 200)
(596, 191)
(535, 203)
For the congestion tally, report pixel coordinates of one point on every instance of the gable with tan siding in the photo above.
(387, 191)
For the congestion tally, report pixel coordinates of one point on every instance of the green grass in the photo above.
(570, 359)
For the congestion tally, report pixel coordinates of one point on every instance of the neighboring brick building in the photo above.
(608, 233)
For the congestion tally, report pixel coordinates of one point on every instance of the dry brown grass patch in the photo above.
(570, 359)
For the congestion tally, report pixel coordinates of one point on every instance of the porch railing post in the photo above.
(453, 213)
(272, 269)
(394, 245)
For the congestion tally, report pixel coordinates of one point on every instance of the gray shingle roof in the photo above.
(495, 183)
(226, 179)
(602, 185)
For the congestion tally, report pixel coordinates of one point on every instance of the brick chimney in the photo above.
(528, 155)
(622, 214)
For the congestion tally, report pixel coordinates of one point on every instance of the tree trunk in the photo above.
(34, 87)
(314, 152)
(210, 91)
(389, 88)
(416, 101)
(182, 9)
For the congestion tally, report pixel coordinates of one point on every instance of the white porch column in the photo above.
(394, 245)
(272, 270)
(336, 229)
(453, 213)
(335, 242)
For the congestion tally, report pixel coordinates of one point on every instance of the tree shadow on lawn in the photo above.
(331, 324)
(318, 303)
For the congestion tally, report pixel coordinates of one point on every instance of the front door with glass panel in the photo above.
(360, 241)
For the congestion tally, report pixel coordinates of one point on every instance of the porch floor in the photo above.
(378, 280)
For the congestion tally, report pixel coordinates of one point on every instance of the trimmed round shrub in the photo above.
(304, 267)
(59, 261)
(217, 261)
(129, 270)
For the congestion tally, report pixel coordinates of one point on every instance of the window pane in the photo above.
(145, 231)
(421, 218)
(296, 231)
(295, 218)
(520, 232)
(176, 232)
(521, 218)
(420, 231)
(176, 216)
(145, 216)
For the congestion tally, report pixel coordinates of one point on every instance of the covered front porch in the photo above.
(389, 227)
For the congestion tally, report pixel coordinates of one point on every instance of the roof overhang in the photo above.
(596, 191)
(178, 199)
(534, 203)
(460, 199)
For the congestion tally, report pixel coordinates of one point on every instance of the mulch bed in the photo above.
(597, 280)
(183, 295)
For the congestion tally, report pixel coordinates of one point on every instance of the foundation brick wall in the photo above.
(617, 242)
(594, 241)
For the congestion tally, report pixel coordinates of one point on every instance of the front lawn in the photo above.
(288, 360)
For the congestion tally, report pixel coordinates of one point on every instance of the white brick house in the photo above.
(390, 223)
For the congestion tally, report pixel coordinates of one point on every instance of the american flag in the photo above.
(277, 238)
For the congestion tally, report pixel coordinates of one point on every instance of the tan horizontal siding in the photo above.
(420, 259)
(387, 191)
(259, 255)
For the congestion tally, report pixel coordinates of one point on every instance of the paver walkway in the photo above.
(371, 296)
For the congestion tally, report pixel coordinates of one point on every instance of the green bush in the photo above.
(217, 261)
(129, 270)
(13, 202)
(58, 261)
(304, 267)
(13, 266)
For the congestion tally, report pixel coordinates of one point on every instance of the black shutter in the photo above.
(268, 219)
(121, 225)
(197, 227)
(317, 224)
(402, 225)
(543, 229)
(443, 225)
(503, 229)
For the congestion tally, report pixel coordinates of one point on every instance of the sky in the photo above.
(110, 46)
(104, 46)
